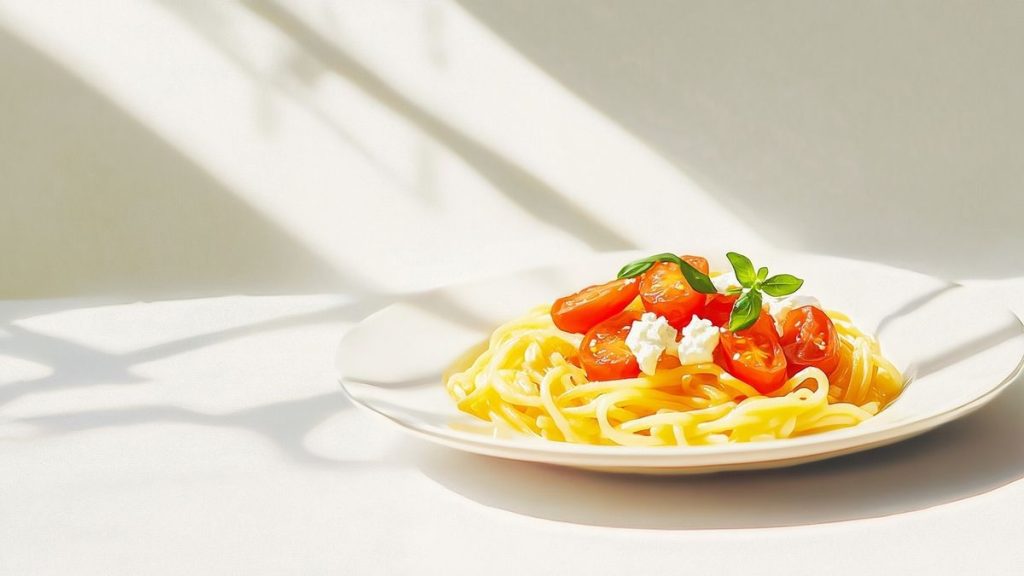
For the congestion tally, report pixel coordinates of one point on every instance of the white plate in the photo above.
(957, 348)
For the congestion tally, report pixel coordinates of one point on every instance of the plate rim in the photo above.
(712, 457)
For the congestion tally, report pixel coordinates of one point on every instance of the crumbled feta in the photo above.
(725, 281)
(700, 337)
(648, 338)
(780, 307)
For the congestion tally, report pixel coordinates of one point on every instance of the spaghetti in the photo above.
(528, 380)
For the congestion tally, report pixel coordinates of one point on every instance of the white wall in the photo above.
(159, 148)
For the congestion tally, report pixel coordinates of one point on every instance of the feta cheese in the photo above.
(725, 281)
(700, 337)
(648, 338)
(780, 307)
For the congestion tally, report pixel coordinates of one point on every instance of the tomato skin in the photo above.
(603, 352)
(754, 355)
(810, 339)
(698, 262)
(665, 292)
(719, 308)
(582, 311)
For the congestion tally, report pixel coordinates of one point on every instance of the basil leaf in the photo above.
(781, 285)
(634, 269)
(762, 273)
(743, 267)
(638, 267)
(697, 280)
(665, 257)
(745, 311)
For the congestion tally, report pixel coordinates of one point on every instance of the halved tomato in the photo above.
(754, 355)
(719, 307)
(666, 292)
(809, 339)
(581, 311)
(603, 352)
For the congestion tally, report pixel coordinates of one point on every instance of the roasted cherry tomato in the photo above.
(581, 311)
(754, 355)
(809, 339)
(666, 292)
(719, 308)
(603, 352)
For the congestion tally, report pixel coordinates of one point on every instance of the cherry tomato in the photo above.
(698, 262)
(581, 311)
(754, 355)
(719, 308)
(668, 362)
(809, 339)
(666, 292)
(603, 352)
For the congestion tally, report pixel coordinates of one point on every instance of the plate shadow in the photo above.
(972, 456)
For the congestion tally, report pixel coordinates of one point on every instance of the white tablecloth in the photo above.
(209, 436)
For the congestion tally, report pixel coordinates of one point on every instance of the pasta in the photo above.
(528, 380)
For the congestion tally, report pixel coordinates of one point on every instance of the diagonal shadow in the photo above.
(127, 211)
(351, 311)
(528, 192)
(773, 114)
(964, 350)
(211, 26)
(75, 365)
(286, 423)
(913, 305)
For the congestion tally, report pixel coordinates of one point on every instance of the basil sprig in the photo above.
(698, 280)
(747, 307)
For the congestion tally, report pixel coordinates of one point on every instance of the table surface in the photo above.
(210, 436)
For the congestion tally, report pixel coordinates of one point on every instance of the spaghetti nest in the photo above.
(526, 380)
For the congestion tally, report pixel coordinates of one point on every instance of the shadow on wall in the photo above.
(114, 208)
(534, 196)
(860, 129)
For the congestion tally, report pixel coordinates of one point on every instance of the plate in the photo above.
(956, 347)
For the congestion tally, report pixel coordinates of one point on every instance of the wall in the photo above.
(158, 149)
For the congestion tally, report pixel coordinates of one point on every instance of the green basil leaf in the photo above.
(745, 311)
(781, 285)
(637, 267)
(743, 267)
(762, 273)
(634, 269)
(697, 280)
(666, 257)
